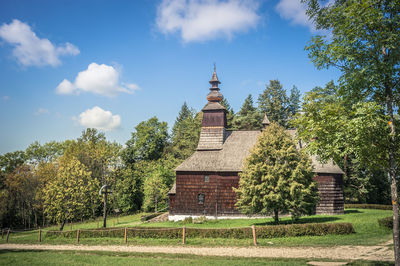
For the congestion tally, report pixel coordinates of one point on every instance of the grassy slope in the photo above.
(364, 221)
(115, 258)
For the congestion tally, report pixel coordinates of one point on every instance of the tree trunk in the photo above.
(62, 225)
(392, 173)
(276, 216)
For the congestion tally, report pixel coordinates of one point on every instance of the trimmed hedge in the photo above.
(386, 222)
(368, 206)
(272, 231)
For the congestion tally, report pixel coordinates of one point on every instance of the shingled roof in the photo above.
(234, 151)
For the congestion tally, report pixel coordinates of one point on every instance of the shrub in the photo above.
(272, 231)
(386, 222)
(188, 220)
(200, 220)
(368, 206)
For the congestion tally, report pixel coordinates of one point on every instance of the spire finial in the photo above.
(214, 95)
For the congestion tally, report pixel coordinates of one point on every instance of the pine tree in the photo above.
(185, 133)
(184, 114)
(274, 102)
(294, 102)
(248, 118)
(277, 178)
(230, 114)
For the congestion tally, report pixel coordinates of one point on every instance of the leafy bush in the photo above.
(188, 220)
(369, 206)
(200, 220)
(386, 222)
(312, 229)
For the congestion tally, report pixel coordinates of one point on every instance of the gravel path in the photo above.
(376, 253)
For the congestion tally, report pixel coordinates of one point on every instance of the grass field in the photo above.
(10, 257)
(364, 222)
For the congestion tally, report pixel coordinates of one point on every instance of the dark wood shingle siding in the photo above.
(219, 197)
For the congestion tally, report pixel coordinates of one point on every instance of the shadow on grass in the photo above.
(4, 251)
(351, 211)
(303, 220)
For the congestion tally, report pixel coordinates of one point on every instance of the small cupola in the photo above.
(265, 121)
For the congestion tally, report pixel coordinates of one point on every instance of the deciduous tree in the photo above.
(364, 44)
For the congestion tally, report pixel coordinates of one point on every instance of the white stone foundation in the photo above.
(181, 217)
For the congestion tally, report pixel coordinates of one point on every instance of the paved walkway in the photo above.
(376, 253)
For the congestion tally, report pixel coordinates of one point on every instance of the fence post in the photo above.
(2, 233)
(113, 223)
(8, 233)
(40, 235)
(77, 235)
(184, 235)
(97, 223)
(254, 235)
(126, 237)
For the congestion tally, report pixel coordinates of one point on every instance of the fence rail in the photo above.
(253, 232)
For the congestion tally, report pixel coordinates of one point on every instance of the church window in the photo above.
(201, 198)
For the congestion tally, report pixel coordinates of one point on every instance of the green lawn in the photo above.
(12, 257)
(364, 221)
(121, 221)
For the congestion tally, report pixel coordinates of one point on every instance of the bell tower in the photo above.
(212, 135)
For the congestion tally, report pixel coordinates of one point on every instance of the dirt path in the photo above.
(376, 253)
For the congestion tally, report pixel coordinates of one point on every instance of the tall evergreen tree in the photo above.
(277, 178)
(248, 118)
(275, 103)
(185, 133)
(294, 102)
(230, 114)
(184, 113)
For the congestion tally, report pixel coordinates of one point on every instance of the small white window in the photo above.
(206, 178)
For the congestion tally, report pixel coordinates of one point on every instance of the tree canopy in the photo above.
(364, 44)
(248, 118)
(277, 178)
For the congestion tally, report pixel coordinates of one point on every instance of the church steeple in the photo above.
(214, 95)
(212, 134)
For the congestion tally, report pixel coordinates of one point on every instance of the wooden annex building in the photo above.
(204, 181)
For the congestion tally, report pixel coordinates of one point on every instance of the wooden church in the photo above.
(204, 181)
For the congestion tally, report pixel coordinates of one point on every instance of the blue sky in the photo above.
(68, 65)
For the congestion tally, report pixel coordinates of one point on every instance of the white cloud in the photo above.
(201, 20)
(5, 98)
(29, 50)
(98, 79)
(295, 11)
(41, 111)
(99, 119)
